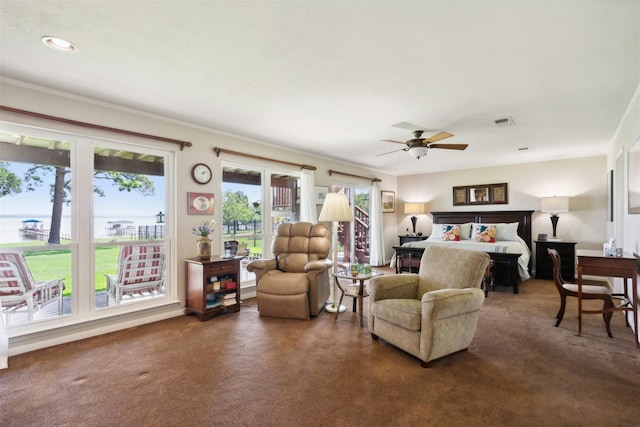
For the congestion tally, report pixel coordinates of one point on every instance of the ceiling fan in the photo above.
(419, 146)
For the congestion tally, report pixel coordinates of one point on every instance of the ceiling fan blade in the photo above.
(449, 146)
(384, 154)
(439, 137)
(391, 140)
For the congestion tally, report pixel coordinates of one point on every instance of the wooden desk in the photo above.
(625, 267)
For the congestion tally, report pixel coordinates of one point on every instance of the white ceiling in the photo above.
(332, 77)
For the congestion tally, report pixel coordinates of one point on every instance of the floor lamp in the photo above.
(335, 209)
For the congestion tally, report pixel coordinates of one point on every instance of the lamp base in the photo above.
(331, 308)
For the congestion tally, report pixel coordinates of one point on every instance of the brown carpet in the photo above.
(245, 370)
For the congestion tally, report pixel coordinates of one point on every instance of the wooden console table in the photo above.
(626, 267)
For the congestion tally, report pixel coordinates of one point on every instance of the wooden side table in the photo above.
(544, 265)
(406, 239)
(356, 292)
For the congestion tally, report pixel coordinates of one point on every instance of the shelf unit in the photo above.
(213, 286)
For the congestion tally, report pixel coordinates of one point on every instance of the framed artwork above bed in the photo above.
(481, 194)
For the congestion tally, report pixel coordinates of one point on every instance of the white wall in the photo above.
(582, 179)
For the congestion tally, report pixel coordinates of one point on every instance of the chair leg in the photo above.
(560, 315)
(607, 315)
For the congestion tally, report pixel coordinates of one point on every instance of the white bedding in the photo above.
(516, 246)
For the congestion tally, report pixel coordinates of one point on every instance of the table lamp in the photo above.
(414, 208)
(335, 209)
(554, 205)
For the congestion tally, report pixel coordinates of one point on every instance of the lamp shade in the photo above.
(415, 208)
(555, 204)
(336, 208)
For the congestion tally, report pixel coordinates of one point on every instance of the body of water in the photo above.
(10, 226)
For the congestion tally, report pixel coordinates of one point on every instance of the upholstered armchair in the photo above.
(295, 284)
(435, 312)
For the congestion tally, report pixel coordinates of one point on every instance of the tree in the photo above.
(235, 207)
(362, 201)
(10, 183)
(61, 189)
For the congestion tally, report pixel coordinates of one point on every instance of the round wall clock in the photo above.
(201, 173)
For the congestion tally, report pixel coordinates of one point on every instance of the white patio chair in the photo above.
(18, 289)
(140, 270)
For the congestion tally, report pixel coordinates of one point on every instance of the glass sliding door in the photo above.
(254, 197)
(353, 237)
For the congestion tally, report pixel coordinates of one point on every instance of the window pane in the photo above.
(35, 197)
(242, 214)
(129, 206)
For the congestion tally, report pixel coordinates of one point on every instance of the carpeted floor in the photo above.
(245, 370)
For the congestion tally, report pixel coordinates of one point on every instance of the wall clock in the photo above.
(201, 173)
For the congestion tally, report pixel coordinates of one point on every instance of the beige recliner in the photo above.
(295, 284)
(435, 312)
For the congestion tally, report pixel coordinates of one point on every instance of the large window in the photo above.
(74, 210)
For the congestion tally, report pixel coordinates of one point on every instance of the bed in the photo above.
(510, 252)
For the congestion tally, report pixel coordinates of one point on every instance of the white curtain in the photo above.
(4, 345)
(308, 210)
(376, 245)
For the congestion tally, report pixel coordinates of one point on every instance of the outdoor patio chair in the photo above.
(140, 271)
(18, 289)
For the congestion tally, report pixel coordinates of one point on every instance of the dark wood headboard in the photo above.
(523, 218)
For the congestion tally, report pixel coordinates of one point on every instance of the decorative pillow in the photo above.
(436, 231)
(451, 232)
(484, 233)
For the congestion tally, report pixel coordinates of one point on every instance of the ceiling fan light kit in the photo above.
(418, 152)
(418, 147)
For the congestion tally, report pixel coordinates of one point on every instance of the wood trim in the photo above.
(182, 144)
(238, 153)
(331, 172)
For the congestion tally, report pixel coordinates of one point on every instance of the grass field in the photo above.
(56, 264)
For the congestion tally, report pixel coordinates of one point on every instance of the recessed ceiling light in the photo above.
(59, 44)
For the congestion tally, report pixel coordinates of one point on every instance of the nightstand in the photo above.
(544, 265)
(405, 239)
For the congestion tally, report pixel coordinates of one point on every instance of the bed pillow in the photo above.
(507, 232)
(450, 232)
(465, 231)
(504, 231)
(436, 231)
(484, 233)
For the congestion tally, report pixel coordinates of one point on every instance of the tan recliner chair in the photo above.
(295, 284)
(435, 312)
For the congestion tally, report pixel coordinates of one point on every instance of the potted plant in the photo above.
(203, 243)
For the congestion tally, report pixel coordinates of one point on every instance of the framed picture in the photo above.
(388, 201)
(200, 203)
(460, 196)
(482, 194)
(499, 194)
(319, 194)
(634, 178)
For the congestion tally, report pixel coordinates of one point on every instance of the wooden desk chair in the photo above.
(590, 291)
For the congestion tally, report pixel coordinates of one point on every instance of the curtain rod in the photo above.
(331, 172)
(182, 144)
(222, 150)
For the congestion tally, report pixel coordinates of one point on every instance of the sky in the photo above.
(114, 204)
